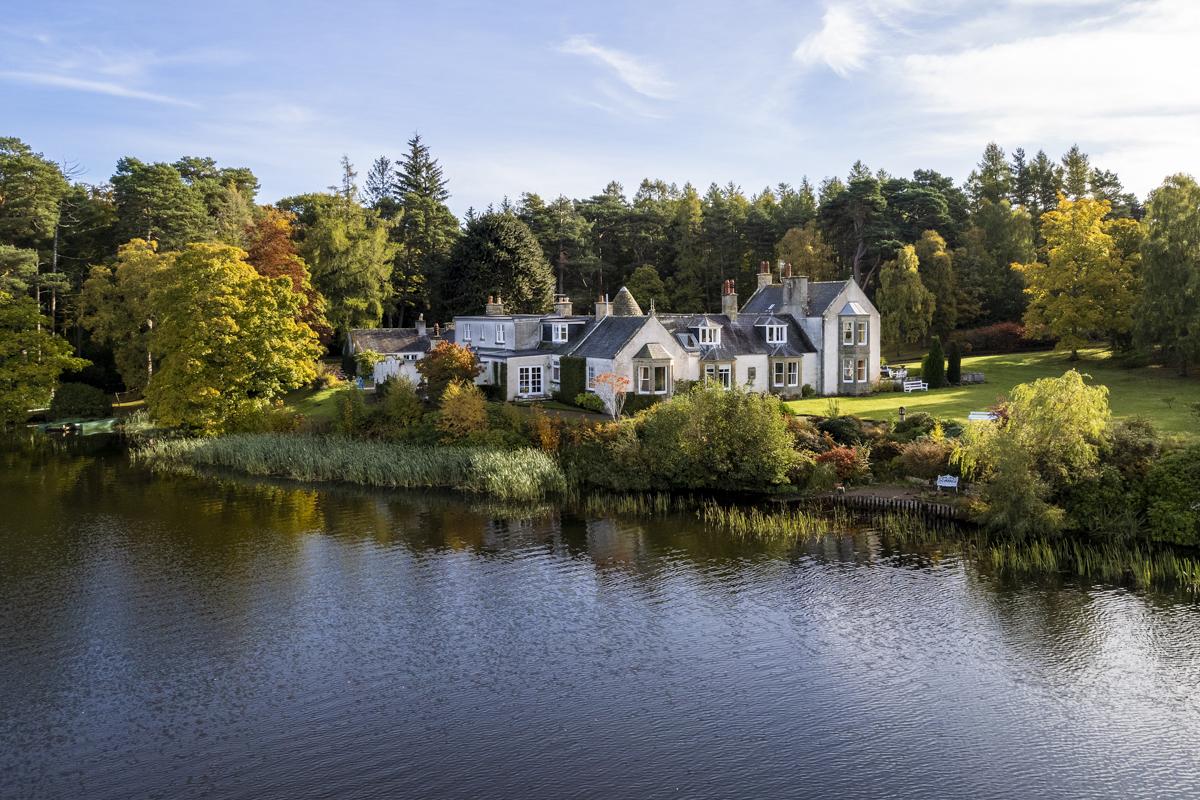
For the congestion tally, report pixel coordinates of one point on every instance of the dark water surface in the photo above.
(177, 638)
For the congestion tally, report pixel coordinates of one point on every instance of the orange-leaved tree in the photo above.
(447, 362)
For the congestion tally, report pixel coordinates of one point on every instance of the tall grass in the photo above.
(790, 524)
(525, 474)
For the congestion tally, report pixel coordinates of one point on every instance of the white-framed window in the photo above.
(847, 331)
(555, 370)
(847, 370)
(411, 356)
(709, 335)
(500, 334)
(751, 375)
(861, 325)
(661, 379)
(559, 332)
(860, 370)
(725, 372)
(591, 376)
(529, 380)
(643, 380)
(793, 373)
(777, 373)
(467, 332)
(776, 334)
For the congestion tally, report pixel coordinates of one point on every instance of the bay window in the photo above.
(862, 331)
(847, 331)
(847, 370)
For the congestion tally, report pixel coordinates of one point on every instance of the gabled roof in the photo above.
(769, 299)
(395, 340)
(821, 294)
(766, 300)
(607, 337)
(653, 350)
(852, 309)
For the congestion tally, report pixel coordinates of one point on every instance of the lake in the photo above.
(193, 637)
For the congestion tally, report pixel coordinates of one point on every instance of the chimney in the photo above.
(729, 303)
(562, 305)
(764, 274)
(603, 307)
(795, 293)
(494, 307)
(437, 330)
(421, 326)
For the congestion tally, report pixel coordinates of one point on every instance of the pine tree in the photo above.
(992, 179)
(380, 193)
(1077, 173)
(498, 256)
(933, 366)
(425, 233)
(953, 363)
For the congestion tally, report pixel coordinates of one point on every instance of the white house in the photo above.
(401, 348)
(788, 335)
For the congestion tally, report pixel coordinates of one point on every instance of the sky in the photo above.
(561, 98)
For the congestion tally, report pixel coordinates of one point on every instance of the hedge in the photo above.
(572, 377)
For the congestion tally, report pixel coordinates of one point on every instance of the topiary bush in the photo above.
(953, 363)
(80, 400)
(933, 366)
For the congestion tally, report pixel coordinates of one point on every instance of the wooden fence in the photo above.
(877, 504)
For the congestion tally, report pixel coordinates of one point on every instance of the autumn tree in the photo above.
(31, 358)
(808, 253)
(1085, 288)
(272, 252)
(463, 410)
(905, 305)
(116, 307)
(446, 363)
(229, 340)
(936, 267)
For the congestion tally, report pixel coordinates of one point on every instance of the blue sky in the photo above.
(563, 97)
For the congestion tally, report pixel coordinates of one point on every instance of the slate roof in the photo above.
(770, 298)
(743, 337)
(396, 340)
(652, 350)
(608, 336)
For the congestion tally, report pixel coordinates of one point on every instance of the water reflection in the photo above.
(170, 637)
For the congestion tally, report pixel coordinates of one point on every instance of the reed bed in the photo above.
(519, 475)
(1114, 563)
(642, 504)
(790, 525)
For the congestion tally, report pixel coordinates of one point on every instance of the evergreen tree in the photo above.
(380, 192)
(937, 273)
(498, 256)
(154, 203)
(992, 179)
(953, 363)
(933, 366)
(1046, 181)
(425, 233)
(1077, 173)
(808, 253)
(1169, 312)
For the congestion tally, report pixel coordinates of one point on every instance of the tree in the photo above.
(18, 269)
(31, 358)
(933, 366)
(953, 363)
(348, 251)
(154, 203)
(1086, 288)
(425, 230)
(1077, 173)
(808, 253)
(565, 237)
(1169, 311)
(905, 305)
(612, 389)
(229, 340)
(646, 284)
(936, 267)
(858, 224)
(30, 190)
(999, 236)
(992, 180)
(446, 363)
(272, 252)
(116, 307)
(498, 256)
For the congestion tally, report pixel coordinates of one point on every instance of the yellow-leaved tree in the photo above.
(229, 340)
(1086, 289)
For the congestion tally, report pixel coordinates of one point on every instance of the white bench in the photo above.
(947, 482)
(982, 416)
(916, 386)
(895, 373)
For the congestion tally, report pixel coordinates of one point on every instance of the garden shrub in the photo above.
(913, 426)
(822, 478)
(401, 406)
(925, 458)
(848, 463)
(806, 437)
(845, 430)
(1173, 497)
(352, 414)
(545, 431)
(463, 411)
(1003, 337)
(807, 391)
(262, 418)
(1104, 504)
(639, 402)
(590, 402)
(79, 400)
(1133, 445)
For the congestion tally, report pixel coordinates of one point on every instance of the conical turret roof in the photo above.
(624, 304)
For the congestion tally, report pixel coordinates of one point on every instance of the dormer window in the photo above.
(776, 334)
(709, 335)
(558, 332)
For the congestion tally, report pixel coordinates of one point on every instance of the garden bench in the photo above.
(947, 482)
(982, 416)
(915, 386)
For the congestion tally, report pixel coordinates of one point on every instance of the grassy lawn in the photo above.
(1153, 392)
(317, 404)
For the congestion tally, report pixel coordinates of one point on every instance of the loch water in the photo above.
(196, 637)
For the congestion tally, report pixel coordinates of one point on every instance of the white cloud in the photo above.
(90, 86)
(842, 44)
(637, 75)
